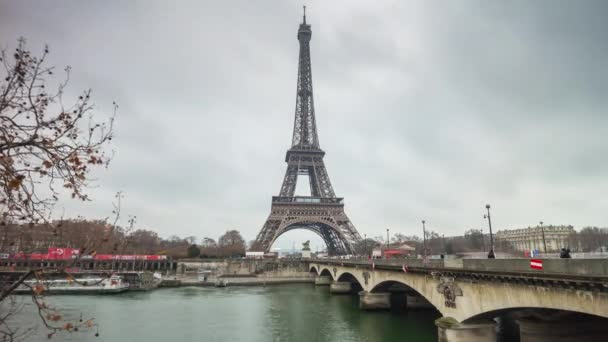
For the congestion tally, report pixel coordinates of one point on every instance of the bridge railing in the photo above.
(592, 267)
(410, 262)
(566, 267)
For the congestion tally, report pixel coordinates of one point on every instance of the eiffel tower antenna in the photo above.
(321, 212)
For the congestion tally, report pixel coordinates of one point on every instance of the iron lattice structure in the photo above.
(321, 212)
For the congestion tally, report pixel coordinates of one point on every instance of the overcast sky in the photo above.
(426, 109)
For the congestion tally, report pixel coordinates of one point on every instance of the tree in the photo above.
(193, 251)
(474, 239)
(449, 247)
(231, 244)
(434, 243)
(44, 142)
(175, 239)
(592, 239)
(366, 246)
(209, 248)
(144, 241)
(47, 145)
(411, 240)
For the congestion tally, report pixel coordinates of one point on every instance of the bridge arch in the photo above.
(514, 297)
(314, 270)
(534, 313)
(523, 323)
(388, 285)
(356, 283)
(326, 272)
(347, 276)
(415, 299)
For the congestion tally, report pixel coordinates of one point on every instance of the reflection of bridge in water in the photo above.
(479, 298)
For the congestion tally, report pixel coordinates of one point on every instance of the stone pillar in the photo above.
(306, 254)
(449, 330)
(418, 302)
(588, 330)
(340, 287)
(374, 301)
(323, 280)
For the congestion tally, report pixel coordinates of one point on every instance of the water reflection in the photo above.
(273, 313)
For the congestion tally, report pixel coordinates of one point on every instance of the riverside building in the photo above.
(531, 238)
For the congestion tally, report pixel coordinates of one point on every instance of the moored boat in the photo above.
(97, 285)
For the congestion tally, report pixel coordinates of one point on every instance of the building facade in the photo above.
(531, 238)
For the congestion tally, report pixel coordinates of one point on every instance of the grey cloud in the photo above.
(426, 109)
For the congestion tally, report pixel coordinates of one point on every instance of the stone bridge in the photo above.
(478, 299)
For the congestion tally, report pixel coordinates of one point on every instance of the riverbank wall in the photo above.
(239, 273)
(241, 267)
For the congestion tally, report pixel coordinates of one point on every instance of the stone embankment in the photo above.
(239, 273)
(236, 281)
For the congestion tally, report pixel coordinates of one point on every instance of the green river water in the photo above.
(298, 312)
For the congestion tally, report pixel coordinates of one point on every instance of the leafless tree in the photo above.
(231, 244)
(47, 146)
(45, 143)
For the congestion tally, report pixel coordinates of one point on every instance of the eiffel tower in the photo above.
(321, 212)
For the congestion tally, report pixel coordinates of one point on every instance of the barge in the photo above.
(93, 285)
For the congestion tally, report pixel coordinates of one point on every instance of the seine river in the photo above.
(299, 312)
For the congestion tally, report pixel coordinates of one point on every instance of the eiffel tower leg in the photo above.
(335, 245)
(350, 234)
(266, 235)
(288, 188)
(321, 178)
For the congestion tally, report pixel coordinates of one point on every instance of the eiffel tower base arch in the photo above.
(324, 216)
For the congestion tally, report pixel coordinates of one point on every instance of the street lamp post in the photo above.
(491, 253)
(388, 243)
(543, 231)
(365, 244)
(424, 238)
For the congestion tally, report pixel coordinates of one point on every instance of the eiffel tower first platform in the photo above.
(321, 212)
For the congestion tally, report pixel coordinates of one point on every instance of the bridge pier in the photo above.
(589, 330)
(449, 330)
(374, 301)
(340, 287)
(323, 280)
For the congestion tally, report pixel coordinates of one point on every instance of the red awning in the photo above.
(394, 252)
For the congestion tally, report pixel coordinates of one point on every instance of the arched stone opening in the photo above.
(326, 272)
(402, 297)
(543, 324)
(313, 270)
(351, 283)
(324, 278)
